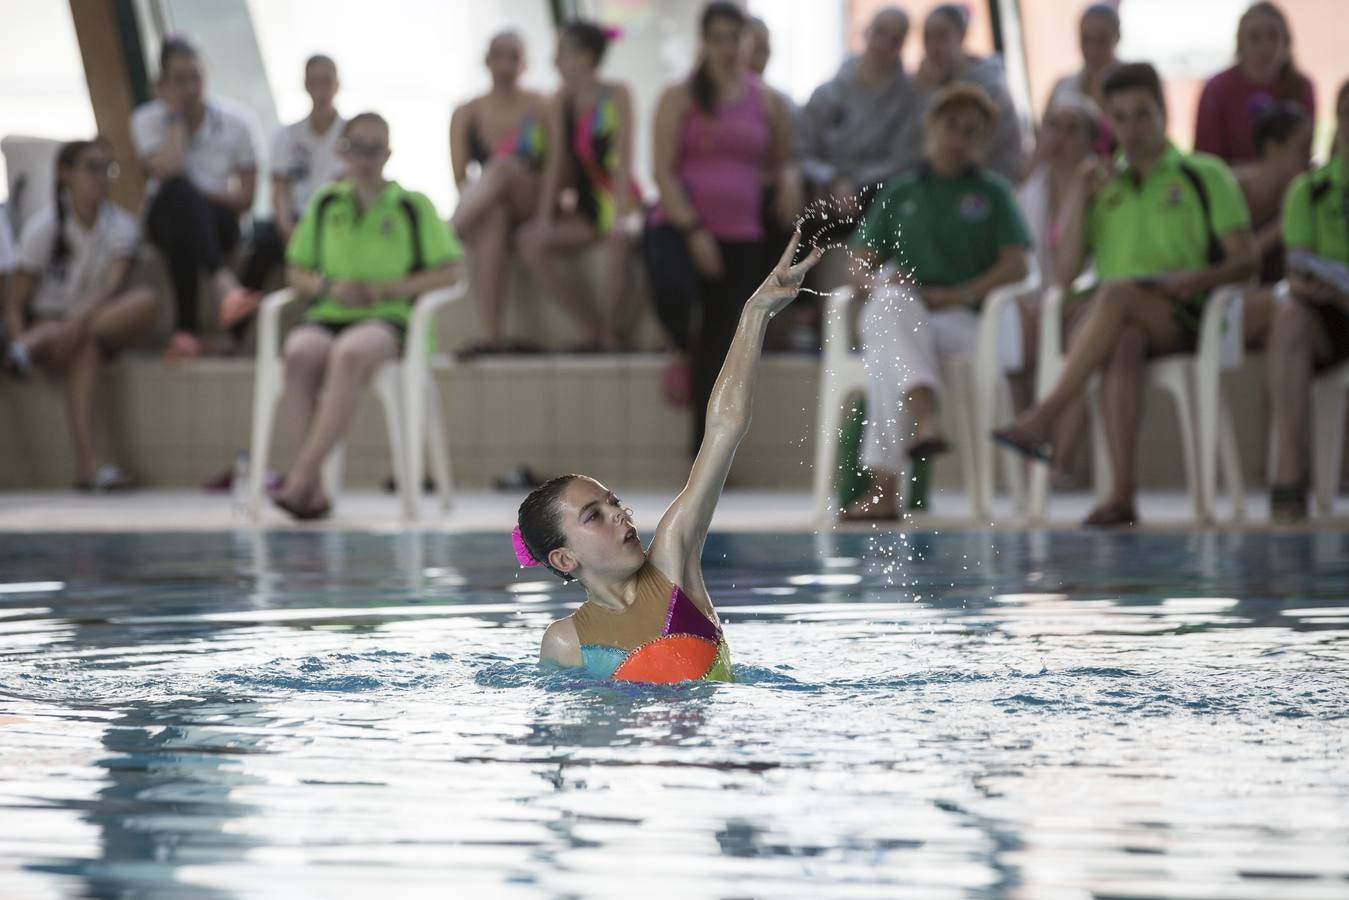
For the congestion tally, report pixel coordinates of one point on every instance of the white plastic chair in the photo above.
(1194, 383)
(977, 388)
(1328, 401)
(408, 395)
(1329, 390)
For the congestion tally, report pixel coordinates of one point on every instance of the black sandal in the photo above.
(300, 513)
(1288, 503)
(927, 449)
(1111, 515)
(1009, 437)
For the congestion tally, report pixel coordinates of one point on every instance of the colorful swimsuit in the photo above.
(525, 142)
(592, 140)
(662, 637)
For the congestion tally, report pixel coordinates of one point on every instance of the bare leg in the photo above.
(617, 308)
(306, 358)
(1296, 341)
(1121, 405)
(553, 254)
(881, 500)
(487, 250)
(921, 402)
(113, 325)
(356, 353)
(1116, 303)
(483, 197)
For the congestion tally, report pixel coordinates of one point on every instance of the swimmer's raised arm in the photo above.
(677, 546)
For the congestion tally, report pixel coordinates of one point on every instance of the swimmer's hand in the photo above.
(784, 282)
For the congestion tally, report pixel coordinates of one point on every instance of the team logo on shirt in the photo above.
(386, 226)
(974, 207)
(1174, 194)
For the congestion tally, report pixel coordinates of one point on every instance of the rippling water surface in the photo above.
(965, 715)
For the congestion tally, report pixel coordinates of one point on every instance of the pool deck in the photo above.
(739, 510)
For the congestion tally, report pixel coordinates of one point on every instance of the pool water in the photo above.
(965, 715)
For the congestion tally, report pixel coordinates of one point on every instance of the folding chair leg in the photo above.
(1233, 477)
(1328, 401)
(438, 444)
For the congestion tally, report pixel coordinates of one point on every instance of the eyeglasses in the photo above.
(109, 169)
(360, 148)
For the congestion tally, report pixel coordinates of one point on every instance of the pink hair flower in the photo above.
(522, 554)
(611, 32)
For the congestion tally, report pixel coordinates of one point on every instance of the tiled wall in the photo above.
(179, 425)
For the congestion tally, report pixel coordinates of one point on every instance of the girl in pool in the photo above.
(647, 615)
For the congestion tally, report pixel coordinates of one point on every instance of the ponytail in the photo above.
(66, 158)
(700, 84)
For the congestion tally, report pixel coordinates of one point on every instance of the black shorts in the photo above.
(399, 327)
(1335, 321)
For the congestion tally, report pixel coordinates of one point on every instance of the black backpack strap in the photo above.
(1215, 247)
(319, 212)
(1320, 188)
(410, 210)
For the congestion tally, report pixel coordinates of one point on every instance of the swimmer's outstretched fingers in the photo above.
(784, 282)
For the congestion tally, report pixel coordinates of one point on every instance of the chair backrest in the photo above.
(30, 163)
(837, 334)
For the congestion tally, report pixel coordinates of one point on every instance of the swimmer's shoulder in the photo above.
(561, 645)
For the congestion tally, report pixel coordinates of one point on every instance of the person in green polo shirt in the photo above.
(934, 242)
(1311, 330)
(1165, 229)
(364, 249)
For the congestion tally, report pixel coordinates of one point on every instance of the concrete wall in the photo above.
(178, 426)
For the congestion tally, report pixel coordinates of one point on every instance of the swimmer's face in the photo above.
(506, 58)
(602, 541)
(1139, 122)
(956, 137)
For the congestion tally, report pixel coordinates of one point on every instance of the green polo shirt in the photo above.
(345, 243)
(1316, 211)
(945, 231)
(1138, 227)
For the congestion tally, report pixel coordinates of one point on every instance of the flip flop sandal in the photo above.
(1036, 450)
(929, 448)
(1288, 503)
(303, 513)
(1110, 515)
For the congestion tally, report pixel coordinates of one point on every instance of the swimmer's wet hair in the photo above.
(540, 522)
(963, 96)
(1276, 123)
(587, 36)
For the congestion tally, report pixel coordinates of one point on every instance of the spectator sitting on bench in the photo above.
(1311, 330)
(504, 135)
(201, 156)
(593, 119)
(304, 159)
(72, 306)
(364, 250)
(1165, 229)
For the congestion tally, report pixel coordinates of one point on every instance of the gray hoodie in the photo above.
(852, 131)
(1006, 153)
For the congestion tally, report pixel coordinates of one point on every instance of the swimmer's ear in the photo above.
(563, 560)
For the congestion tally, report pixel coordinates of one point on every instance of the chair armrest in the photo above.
(837, 333)
(424, 309)
(988, 335)
(1220, 329)
(269, 323)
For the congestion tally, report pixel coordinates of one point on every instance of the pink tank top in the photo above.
(721, 162)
